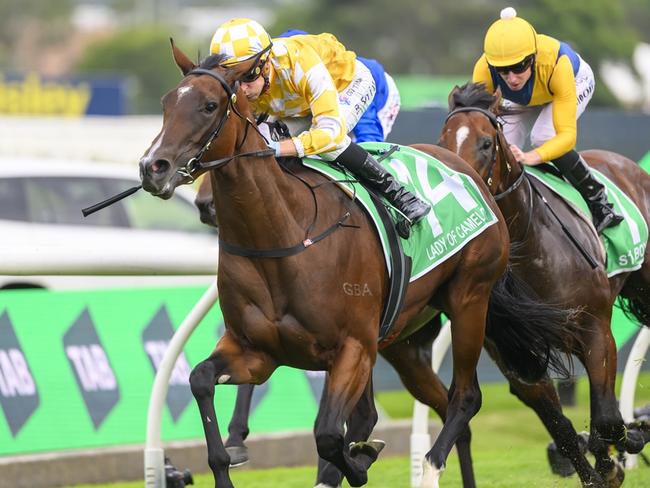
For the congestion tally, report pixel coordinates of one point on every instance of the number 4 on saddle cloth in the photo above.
(624, 244)
(458, 214)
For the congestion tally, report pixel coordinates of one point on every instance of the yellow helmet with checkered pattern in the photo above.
(239, 39)
(509, 40)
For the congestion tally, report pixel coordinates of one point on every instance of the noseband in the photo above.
(498, 148)
(195, 165)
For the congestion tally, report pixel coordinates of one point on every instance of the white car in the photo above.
(45, 242)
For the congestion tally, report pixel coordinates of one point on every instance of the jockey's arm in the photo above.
(328, 128)
(564, 105)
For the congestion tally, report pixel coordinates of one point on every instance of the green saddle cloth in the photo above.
(458, 210)
(625, 243)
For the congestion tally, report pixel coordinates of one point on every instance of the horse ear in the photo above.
(450, 100)
(181, 60)
(494, 107)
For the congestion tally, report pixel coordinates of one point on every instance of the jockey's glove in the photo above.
(275, 145)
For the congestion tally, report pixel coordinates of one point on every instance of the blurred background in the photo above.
(98, 58)
(81, 80)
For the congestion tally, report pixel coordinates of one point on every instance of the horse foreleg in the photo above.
(412, 361)
(229, 364)
(359, 426)
(607, 425)
(467, 315)
(238, 426)
(348, 378)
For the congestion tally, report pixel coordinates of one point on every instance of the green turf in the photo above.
(509, 449)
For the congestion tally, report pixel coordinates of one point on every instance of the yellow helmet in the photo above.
(509, 40)
(240, 39)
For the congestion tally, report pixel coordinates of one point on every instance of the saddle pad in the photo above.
(625, 243)
(458, 210)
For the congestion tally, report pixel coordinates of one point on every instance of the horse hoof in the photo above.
(560, 465)
(370, 448)
(616, 476)
(238, 455)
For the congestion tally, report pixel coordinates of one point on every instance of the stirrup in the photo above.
(403, 227)
(609, 220)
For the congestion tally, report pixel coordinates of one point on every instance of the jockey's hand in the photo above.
(275, 145)
(530, 158)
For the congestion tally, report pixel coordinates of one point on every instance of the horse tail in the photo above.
(635, 310)
(531, 336)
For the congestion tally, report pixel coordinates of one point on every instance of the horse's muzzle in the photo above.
(156, 176)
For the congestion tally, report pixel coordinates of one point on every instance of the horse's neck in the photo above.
(258, 205)
(516, 206)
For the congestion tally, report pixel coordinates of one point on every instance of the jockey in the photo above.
(377, 121)
(312, 76)
(549, 86)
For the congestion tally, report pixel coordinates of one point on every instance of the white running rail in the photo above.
(154, 457)
(630, 378)
(420, 438)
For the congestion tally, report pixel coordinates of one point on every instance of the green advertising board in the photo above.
(77, 368)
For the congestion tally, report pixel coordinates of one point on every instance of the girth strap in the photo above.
(284, 251)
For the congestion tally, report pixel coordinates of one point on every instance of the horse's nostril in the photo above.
(160, 166)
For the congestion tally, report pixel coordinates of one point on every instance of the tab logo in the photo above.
(18, 392)
(92, 368)
(155, 341)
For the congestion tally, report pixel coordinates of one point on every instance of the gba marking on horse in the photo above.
(291, 310)
(545, 258)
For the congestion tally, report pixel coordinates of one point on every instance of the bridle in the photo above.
(195, 166)
(498, 149)
(499, 145)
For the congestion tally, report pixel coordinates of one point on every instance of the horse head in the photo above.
(197, 122)
(473, 131)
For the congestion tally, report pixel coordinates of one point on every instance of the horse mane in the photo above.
(213, 61)
(471, 95)
(477, 95)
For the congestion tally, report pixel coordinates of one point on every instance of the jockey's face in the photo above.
(253, 89)
(516, 81)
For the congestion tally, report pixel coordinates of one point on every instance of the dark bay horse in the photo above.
(544, 257)
(293, 310)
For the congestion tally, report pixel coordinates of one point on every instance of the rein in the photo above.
(195, 165)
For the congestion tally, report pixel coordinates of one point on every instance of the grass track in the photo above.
(509, 449)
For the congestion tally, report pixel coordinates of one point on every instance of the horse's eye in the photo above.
(210, 107)
(487, 144)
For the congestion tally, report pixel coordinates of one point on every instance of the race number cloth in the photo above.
(458, 210)
(624, 243)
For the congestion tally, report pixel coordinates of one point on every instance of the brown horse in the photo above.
(411, 360)
(548, 261)
(282, 289)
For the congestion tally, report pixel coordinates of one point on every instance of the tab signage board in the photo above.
(77, 369)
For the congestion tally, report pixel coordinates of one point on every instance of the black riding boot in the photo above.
(576, 171)
(364, 166)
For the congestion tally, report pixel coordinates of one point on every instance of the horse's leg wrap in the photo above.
(575, 170)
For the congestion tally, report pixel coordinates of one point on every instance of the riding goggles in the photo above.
(253, 74)
(256, 71)
(518, 68)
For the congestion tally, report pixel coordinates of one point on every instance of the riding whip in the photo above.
(109, 201)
